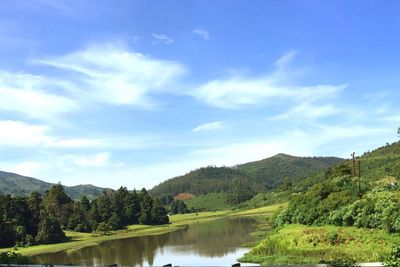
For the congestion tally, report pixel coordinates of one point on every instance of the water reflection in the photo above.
(210, 243)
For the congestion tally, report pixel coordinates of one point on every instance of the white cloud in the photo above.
(209, 126)
(237, 90)
(20, 134)
(309, 111)
(285, 59)
(95, 160)
(25, 93)
(162, 39)
(115, 75)
(202, 33)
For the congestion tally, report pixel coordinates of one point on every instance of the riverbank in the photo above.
(300, 244)
(80, 240)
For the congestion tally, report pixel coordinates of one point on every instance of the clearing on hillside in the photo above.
(183, 196)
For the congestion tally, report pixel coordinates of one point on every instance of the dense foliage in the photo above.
(35, 220)
(272, 172)
(242, 182)
(343, 200)
(13, 258)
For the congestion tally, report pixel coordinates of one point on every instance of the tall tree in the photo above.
(159, 214)
(50, 231)
(58, 204)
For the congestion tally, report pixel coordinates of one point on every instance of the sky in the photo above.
(130, 93)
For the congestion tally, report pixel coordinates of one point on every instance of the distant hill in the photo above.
(15, 184)
(271, 171)
(260, 175)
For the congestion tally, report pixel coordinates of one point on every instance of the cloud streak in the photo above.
(26, 93)
(162, 39)
(209, 126)
(202, 33)
(238, 91)
(114, 75)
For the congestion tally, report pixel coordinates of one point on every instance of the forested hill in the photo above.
(271, 171)
(365, 196)
(259, 176)
(14, 184)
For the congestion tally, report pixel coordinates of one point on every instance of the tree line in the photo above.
(37, 219)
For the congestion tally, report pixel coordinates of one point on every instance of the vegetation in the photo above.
(297, 244)
(18, 185)
(242, 182)
(78, 240)
(209, 202)
(35, 220)
(272, 172)
(338, 217)
(393, 259)
(10, 257)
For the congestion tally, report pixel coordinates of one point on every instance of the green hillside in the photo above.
(332, 202)
(272, 171)
(14, 184)
(258, 176)
(200, 181)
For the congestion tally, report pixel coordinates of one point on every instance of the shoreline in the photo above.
(79, 240)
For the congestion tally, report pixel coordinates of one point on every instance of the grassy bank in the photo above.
(80, 240)
(297, 244)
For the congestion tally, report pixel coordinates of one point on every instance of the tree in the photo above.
(398, 132)
(159, 214)
(58, 204)
(240, 191)
(103, 227)
(114, 222)
(34, 205)
(50, 231)
(178, 207)
(146, 206)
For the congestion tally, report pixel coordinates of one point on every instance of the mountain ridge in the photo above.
(260, 175)
(16, 184)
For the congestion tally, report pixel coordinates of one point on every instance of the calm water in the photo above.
(215, 243)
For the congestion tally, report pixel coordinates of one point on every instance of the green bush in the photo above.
(13, 258)
(393, 260)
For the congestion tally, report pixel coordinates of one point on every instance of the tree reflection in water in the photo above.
(214, 239)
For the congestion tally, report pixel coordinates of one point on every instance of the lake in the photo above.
(212, 243)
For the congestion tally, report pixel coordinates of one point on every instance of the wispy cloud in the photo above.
(22, 134)
(237, 91)
(209, 126)
(162, 39)
(26, 93)
(285, 59)
(94, 160)
(115, 75)
(309, 111)
(202, 33)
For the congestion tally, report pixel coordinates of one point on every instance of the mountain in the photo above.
(271, 171)
(15, 184)
(260, 175)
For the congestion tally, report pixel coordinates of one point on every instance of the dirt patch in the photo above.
(183, 196)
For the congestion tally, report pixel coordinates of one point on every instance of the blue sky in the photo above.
(134, 92)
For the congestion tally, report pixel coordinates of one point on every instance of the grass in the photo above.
(299, 244)
(209, 202)
(80, 240)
